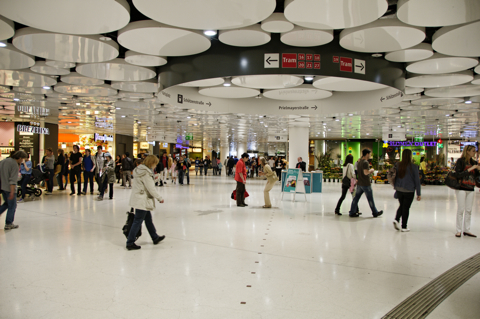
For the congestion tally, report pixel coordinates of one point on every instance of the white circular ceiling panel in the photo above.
(116, 70)
(419, 52)
(300, 93)
(455, 91)
(438, 13)
(42, 68)
(439, 80)
(204, 83)
(7, 28)
(346, 84)
(31, 90)
(250, 36)
(436, 101)
(439, 63)
(270, 81)
(134, 95)
(60, 64)
(25, 78)
(476, 80)
(383, 35)
(149, 86)
(459, 106)
(141, 59)
(65, 47)
(70, 17)
(11, 58)
(229, 92)
(458, 40)
(333, 14)
(152, 37)
(207, 14)
(277, 23)
(78, 79)
(303, 37)
(97, 90)
(409, 90)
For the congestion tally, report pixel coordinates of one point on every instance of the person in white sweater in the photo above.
(142, 199)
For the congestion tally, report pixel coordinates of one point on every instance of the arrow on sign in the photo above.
(209, 104)
(268, 60)
(360, 66)
(316, 107)
(382, 99)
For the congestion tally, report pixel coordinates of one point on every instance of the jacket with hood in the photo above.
(109, 169)
(144, 192)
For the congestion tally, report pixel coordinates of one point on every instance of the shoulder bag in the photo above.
(451, 180)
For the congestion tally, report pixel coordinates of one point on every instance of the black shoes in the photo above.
(133, 247)
(378, 214)
(354, 215)
(72, 193)
(469, 234)
(338, 213)
(159, 239)
(240, 205)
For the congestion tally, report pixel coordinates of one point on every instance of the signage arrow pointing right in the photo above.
(361, 66)
(315, 107)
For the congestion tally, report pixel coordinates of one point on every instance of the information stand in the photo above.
(294, 183)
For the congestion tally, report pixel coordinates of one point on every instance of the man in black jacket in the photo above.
(301, 164)
(159, 170)
(127, 165)
(230, 165)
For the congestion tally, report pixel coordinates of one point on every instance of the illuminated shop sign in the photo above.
(33, 110)
(407, 143)
(105, 138)
(33, 129)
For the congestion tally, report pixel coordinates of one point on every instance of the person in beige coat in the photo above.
(142, 199)
(271, 179)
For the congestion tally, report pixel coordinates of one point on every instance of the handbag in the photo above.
(451, 180)
(234, 194)
(346, 182)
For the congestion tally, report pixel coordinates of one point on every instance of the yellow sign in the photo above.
(144, 145)
(385, 145)
(350, 148)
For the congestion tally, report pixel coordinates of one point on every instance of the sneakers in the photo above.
(99, 198)
(396, 225)
(10, 226)
(133, 247)
(404, 230)
(20, 200)
(159, 239)
(380, 213)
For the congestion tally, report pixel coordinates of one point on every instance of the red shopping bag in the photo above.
(234, 194)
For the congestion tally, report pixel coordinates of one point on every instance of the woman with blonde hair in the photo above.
(466, 170)
(271, 179)
(142, 199)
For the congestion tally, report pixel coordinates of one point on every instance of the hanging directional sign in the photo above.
(189, 136)
(359, 66)
(271, 60)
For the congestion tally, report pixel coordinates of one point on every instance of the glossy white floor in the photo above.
(297, 260)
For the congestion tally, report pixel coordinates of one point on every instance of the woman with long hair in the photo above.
(407, 182)
(348, 174)
(466, 169)
(271, 179)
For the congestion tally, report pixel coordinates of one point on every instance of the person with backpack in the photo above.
(99, 164)
(466, 171)
(348, 175)
(407, 182)
(364, 186)
(88, 171)
(127, 166)
(143, 200)
(107, 175)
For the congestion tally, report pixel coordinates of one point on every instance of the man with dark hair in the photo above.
(301, 164)
(364, 186)
(230, 164)
(76, 170)
(9, 177)
(127, 166)
(241, 178)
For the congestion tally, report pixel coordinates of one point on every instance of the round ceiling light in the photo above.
(346, 84)
(455, 91)
(42, 68)
(204, 83)
(303, 37)
(25, 78)
(270, 81)
(439, 80)
(458, 40)
(246, 37)
(11, 58)
(439, 63)
(419, 52)
(141, 59)
(7, 28)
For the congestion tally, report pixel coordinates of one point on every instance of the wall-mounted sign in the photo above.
(144, 145)
(33, 110)
(104, 137)
(407, 144)
(33, 129)
(189, 136)
(197, 150)
(165, 145)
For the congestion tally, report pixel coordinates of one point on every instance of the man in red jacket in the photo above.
(241, 178)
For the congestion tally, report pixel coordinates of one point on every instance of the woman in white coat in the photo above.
(271, 179)
(143, 200)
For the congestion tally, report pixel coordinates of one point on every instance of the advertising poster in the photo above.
(291, 181)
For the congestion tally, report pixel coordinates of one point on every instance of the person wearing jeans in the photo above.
(49, 161)
(9, 178)
(143, 200)
(466, 170)
(88, 171)
(107, 176)
(181, 172)
(26, 171)
(364, 186)
(407, 181)
(75, 170)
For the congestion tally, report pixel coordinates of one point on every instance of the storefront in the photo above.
(87, 141)
(7, 138)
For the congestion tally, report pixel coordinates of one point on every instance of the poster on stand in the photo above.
(291, 180)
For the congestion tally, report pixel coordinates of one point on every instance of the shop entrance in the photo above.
(121, 148)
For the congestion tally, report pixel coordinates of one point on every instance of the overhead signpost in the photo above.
(189, 136)
(271, 60)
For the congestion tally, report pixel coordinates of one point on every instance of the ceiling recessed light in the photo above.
(104, 38)
(210, 33)
(46, 87)
(117, 108)
(308, 78)
(123, 115)
(16, 100)
(2, 45)
(377, 55)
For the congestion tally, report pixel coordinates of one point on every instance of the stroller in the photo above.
(36, 178)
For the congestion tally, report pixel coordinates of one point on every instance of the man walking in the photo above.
(9, 177)
(49, 161)
(364, 186)
(76, 160)
(230, 165)
(127, 166)
(241, 178)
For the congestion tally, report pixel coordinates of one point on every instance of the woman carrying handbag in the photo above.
(271, 179)
(348, 177)
(466, 171)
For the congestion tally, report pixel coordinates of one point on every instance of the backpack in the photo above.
(128, 225)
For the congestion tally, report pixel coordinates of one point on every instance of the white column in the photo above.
(241, 148)
(298, 144)
(224, 151)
